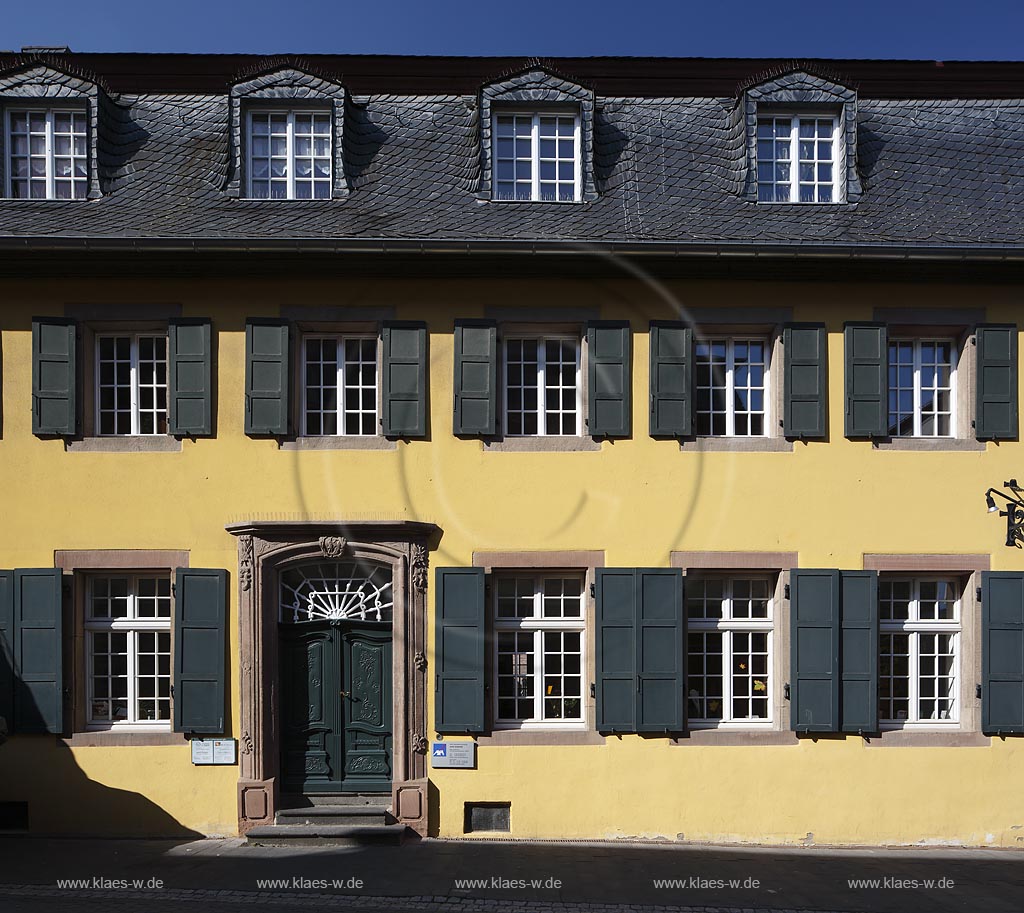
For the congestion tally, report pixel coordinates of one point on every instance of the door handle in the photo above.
(345, 693)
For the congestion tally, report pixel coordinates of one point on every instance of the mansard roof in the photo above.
(939, 153)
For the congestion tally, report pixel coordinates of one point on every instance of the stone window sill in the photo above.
(737, 737)
(111, 738)
(927, 738)
(142, 443)
(340, 442)
(737, 445)
(541, 737)
(930, 444)
(543, 444)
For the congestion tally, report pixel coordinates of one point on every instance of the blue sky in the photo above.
(934, 30)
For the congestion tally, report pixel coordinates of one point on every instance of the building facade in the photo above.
(630, 421)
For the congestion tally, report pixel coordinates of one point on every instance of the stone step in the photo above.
(335, 814)
(299, 801)
(325, 835)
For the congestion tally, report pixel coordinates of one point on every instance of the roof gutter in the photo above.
(455, 247)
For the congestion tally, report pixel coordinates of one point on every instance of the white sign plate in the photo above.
(214, 751)
(453, 754)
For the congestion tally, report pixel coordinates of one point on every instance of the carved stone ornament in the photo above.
(419, 568)
(333, 546)
(247, 746)
(418, 743)
(420, 661)
(245, 562)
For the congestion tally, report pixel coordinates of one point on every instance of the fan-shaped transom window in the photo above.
(337, 591)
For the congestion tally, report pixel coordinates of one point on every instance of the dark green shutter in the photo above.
(200, 620)
(814, 650)
(476, 378)
(38, 609)
(997, 383)
(459, 632)
(54, 376)
(805, 360)
(616, 649)
(404, 386)
(608, 378)
(1002, 652)
(640, 664)
(859, 653)
(190, 372)
(7, 648)
(660, 660)
(671, 380)
(267, 374)
(867, 380)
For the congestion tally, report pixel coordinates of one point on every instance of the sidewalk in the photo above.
(218, 876)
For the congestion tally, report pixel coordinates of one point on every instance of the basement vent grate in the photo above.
(488, 816)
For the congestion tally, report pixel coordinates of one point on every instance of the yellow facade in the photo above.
(637, 499)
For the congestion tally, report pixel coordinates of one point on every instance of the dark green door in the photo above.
(336, 707)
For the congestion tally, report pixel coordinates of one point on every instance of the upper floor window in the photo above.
(537, 157)
(729, 649)
(798, 159)
(339, 385)
(48, 156)
(289, 155)
(128, 651)
(131, 384)
(543, 386)
(922, 387)
(919, 644)
(539, 626)
(731, 387)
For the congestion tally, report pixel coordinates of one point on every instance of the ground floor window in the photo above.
(919, 646)
(128, 644)
(729, 649)
(539, 648)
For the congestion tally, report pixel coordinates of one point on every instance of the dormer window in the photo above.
(537, 156)
(801, 136)
(287, 137)
(798, 159)
(289, 155)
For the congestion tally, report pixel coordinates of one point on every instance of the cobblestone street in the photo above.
(220, 876)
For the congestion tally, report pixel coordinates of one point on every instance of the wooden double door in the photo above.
(336, 707)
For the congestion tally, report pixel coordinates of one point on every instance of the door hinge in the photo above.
(593, 689)
(593, 591)
(977, 595)
(786, 691)
(785, 591)
(977, 692)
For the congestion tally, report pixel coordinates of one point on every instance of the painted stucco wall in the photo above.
(637, 499)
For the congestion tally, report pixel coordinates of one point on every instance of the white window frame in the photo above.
(539, 625)
(290, 114)
(914, 626)
(135, 404)
(132, 626)
(730, 383)
(535, 157)
(727, 626)
(49, 113)
(542, 339)
(838, 157)
(341, 339)
(918, 342)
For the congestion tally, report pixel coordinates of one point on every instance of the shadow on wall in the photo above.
(40, 772)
